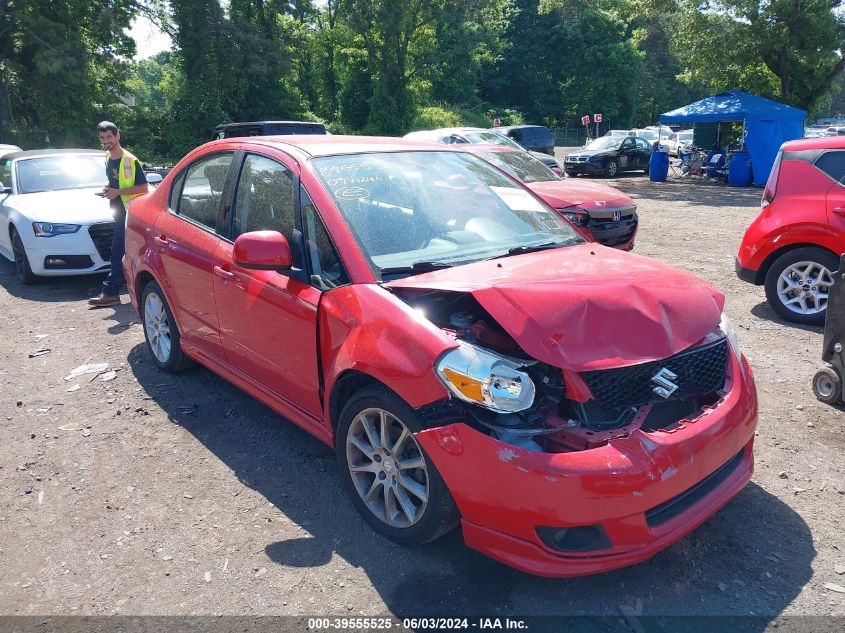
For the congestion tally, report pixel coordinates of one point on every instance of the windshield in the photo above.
(63, 171)
(521, 165)
(685, 137)
(415, 209)
(492, 138)
(607, 142)
(647, 135)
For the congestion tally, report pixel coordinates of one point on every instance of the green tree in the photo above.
(785, 49)
(61, 64)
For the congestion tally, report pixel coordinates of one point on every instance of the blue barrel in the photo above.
(739, 170)
(658, 166)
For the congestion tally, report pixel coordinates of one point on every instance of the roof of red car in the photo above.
(821, 142)
(332, 144)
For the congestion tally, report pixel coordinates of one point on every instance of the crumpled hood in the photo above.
(571, 192)
(586, 307)
(73, 206)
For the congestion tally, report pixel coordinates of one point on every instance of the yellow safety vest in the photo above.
(126, 175)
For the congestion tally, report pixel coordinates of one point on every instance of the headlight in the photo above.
(48, 229)
(730, 334)
(485, 378)
(576, 217)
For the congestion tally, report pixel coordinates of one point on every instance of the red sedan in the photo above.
(600, 213)
(471, 358)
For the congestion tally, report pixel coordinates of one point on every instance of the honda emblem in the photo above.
(617, 215)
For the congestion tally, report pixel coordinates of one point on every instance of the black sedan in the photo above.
(609, 155)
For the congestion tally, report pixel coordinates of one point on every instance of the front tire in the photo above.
(161, 332)
(392, 482)
(798, 282)
(612, 168)
(827, 385)
(22, 267)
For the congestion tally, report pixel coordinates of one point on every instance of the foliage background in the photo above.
(389, 67)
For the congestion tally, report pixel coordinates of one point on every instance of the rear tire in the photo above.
(797, 284)
(22, 267)
(827, 385)
(161, 331)
(392, 482)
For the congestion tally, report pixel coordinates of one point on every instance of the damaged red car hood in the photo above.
(586, 307)
(570, 192)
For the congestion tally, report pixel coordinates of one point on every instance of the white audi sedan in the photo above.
(52, 222)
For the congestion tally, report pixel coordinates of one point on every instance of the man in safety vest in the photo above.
(126, 182)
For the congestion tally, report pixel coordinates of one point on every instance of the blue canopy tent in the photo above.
(767, 123)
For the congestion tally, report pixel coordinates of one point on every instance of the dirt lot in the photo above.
(148, 494)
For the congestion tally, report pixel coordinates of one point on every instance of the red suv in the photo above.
(794, 244)
(471, 359)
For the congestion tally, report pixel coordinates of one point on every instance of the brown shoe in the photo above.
(103, 301)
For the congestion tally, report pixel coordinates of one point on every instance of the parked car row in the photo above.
(441, 317)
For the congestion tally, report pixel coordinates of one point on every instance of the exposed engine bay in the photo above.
(569, 411)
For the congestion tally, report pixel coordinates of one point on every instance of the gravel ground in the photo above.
(144, 494)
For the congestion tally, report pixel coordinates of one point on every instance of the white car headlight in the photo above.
(485, 378)
(49, 229)
(730, 334)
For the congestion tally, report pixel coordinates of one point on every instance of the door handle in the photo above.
(160, 240)
(225, 274)
(839, 210)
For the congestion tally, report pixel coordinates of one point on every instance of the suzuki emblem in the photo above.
(663, 379)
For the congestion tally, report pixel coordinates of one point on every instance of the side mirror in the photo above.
(262, 250)
(154, 179)
(4, 189)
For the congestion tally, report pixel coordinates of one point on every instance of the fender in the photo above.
(366, 329)
(762, 251)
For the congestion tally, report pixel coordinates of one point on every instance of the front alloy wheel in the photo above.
(22, 267)
(612, 168)
(392, 482)
(387, 467)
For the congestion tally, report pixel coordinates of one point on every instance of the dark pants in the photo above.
(115, 281)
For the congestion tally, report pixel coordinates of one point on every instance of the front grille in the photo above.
(678, 504)
(700, 371)
(67, 262)
(101, 234)
(609, 233)
(577, 159)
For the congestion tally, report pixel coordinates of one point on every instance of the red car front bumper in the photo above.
(644, 491)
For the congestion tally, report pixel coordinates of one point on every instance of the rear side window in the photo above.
(200, 197)
(833, 164)
(516, 134)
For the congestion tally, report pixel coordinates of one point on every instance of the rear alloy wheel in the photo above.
(827, 385)
(22, 266)
(393, 484)
(161, 332)
(612, 168)
(798, 282)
